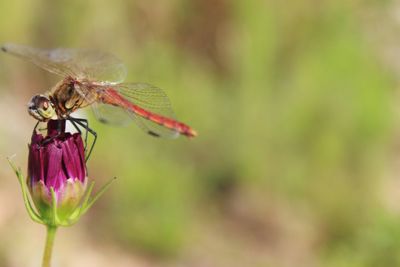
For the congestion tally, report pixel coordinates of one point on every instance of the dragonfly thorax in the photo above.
(41, 108)
(66, 97)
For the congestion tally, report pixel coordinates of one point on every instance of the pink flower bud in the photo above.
(57, 161)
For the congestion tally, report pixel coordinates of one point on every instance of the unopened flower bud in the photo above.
(57, 163)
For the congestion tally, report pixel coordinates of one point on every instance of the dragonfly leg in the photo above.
(41, 129)
(59, 132)
(85, 124)
(36, 125)
(80, 132)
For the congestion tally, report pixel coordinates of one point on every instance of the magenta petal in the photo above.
(36, 139)
(81, 150)
(35, 164)
(70, 158)
(52, 166)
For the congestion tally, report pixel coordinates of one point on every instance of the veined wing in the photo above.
(145, 104)
(78, 63)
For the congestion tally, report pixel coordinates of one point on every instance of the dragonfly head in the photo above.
(41, 108)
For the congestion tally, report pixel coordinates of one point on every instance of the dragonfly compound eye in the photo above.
(41, 108)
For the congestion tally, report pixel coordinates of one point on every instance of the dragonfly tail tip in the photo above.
(191, 133)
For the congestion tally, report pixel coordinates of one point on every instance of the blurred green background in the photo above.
(297, 158)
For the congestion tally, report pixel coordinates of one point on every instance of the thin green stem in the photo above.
(51, 233)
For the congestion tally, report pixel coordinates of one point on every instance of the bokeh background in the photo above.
(297, 158)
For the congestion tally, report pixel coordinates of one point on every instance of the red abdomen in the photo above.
(114, 98)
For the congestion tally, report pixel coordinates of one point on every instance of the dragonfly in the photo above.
(96, 79)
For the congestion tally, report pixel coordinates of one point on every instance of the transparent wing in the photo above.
(78, 63)
(110, 114)
(153, 128)
(124, 99)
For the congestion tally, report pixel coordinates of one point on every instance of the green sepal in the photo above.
(54, 219)
(27, 201)
(89, 202)
(78, 212)
(86, 200)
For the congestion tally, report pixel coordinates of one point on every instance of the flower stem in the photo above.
(51, 233)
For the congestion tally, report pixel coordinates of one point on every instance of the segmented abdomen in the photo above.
(114, 98)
